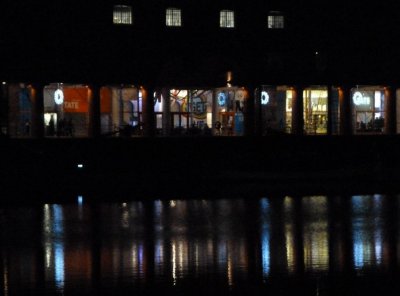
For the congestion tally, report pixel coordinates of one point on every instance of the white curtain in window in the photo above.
(227, 19)
(275, 22)
(122, 14)
(173, 17)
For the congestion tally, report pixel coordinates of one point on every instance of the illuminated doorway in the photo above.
(368, 110)
(229, 112)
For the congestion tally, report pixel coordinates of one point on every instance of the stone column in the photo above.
(94, 111)
(214, 107)
(148, 110)
(249, 112)
(390, 110)
(297, 110)
(329, 130)
(345, 117)
(166, 106)
(36, 96)
(4, 109)
(258, 124)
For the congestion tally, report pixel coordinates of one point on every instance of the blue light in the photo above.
(265, 237)
(59, 265)
(221, 99)
(80, 199)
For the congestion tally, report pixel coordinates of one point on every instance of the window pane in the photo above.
(275, 21)
(122, 14)
(173, 17)
(227, 19)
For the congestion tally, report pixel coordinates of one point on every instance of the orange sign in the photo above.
(76, 100)
(105, 100)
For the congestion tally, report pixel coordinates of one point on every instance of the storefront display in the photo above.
(66, 109)
(315, 107)
(368, 110)
(272, 110)
(70, 110)
(229, 120)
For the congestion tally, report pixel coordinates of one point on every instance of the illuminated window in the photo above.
(276, 20)
(227, 19)
(122, 15)
(173, 17)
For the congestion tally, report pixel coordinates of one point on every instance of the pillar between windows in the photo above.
(258, 124)
(249, 111)
(214, 112)
(166, 108)
(390, 110)
(331, 113)
(4, 109)
(148, 111)
(297, 110)
(345, 117)
(36, 96)
(94, 111)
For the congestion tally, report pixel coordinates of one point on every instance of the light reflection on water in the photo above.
(227, 242)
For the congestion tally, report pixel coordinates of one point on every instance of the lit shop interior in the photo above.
(218, 112)
(368, 110)
(275, 106)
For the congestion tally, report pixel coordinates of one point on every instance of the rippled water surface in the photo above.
(311, 245)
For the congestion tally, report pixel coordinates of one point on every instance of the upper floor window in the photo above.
(276, 20)
(227, 19)
(122, 15)
(173, 17)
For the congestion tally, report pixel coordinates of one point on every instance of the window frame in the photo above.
(173, 17)
(275, 20)
(227, 19)
(122, 15)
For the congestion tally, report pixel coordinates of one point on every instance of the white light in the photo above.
(4, 83)
(264, 98)
(80, 166)
(58, 97)
(359, 99)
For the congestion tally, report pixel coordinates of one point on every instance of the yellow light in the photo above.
(229, 76)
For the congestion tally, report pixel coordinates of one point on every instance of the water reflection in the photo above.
(367, 233)
(53, 230)
(173, 243)
(315, 233)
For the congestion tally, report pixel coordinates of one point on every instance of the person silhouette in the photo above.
(51, 130)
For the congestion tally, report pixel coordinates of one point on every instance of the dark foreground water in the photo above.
(311, 245)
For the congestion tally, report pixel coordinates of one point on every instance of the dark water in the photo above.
(313, 245)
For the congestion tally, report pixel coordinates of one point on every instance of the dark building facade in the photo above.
(213, 67)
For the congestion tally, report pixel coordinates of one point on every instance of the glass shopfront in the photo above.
(368, 110)
(66, 110)
(272, 110)
(229, 117)
(126, 110)
(315, 109)
(20, 110)
(190, 111)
